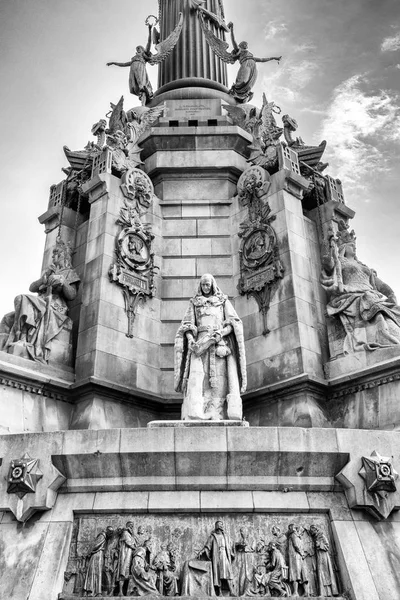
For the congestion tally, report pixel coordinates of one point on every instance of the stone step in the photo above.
(149, 597)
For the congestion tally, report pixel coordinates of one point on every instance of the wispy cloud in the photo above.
(287, 83)
(391, 43)
(274, 28)
(358, 127)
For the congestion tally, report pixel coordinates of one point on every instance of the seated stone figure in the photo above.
(366, 306)
(38, 320)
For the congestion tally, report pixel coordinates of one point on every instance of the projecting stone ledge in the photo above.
(155, 424)
(148, 597)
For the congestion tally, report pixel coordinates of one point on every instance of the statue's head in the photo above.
(206, 284)
(275, 530)
(243, 45)
(141, 530)
(219, 525)
(62, 254)
(109, 531)
(292, 527)
(140, 49)
(314, 530)
(129, 526)
(261, 569)
(289, 122)
(346, 240)
(348, 250)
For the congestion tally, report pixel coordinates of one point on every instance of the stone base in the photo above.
(353, 363)
(155, 424)
(62, 597)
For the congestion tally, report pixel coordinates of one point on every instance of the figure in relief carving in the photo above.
(38, 320)
(326, 575)
(220, 551)
(277, 570)
(366, 306)
(139, 83)
(165, 566)
(244, 550)
(94, 573)
(142, 578)
(111, 557)
(298, 572)
(247, 74)
(210, 362)
(127, 545)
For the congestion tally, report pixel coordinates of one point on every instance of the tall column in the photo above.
(192, 57)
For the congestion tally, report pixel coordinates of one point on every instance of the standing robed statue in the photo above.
(210, 361)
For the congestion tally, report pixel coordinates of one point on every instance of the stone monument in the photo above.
(168, 432)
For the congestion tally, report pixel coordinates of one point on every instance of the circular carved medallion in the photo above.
(258, 246)
(134, 250)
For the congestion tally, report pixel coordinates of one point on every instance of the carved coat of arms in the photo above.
(134, 268)
(260, 266)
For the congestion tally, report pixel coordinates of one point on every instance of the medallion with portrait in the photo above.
(258, 246)
(134, 250)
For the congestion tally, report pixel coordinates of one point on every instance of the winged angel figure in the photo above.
(262, 125)
(139, 83)
(247, 74)
(124, 131)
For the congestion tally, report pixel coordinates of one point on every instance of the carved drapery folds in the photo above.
(260, 267)
(134, 267)
(203, 556)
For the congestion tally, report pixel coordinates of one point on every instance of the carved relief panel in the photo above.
(201, 555)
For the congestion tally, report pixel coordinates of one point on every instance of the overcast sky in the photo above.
(339, 78)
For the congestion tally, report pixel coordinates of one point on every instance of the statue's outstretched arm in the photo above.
(148, 47)
(118, 64)
(234, 43)
(264, 60)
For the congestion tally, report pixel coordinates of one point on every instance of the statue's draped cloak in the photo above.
(93, 579)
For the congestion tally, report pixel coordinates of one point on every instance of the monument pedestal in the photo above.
(223, 423)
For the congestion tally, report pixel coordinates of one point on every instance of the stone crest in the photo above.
(260, 266)
(134, 268)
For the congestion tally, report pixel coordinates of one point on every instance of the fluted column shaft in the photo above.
(192, 56)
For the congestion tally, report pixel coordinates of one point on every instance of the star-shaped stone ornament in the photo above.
(373, 486)
(378, 474)
(23, 476)
(380, 481)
